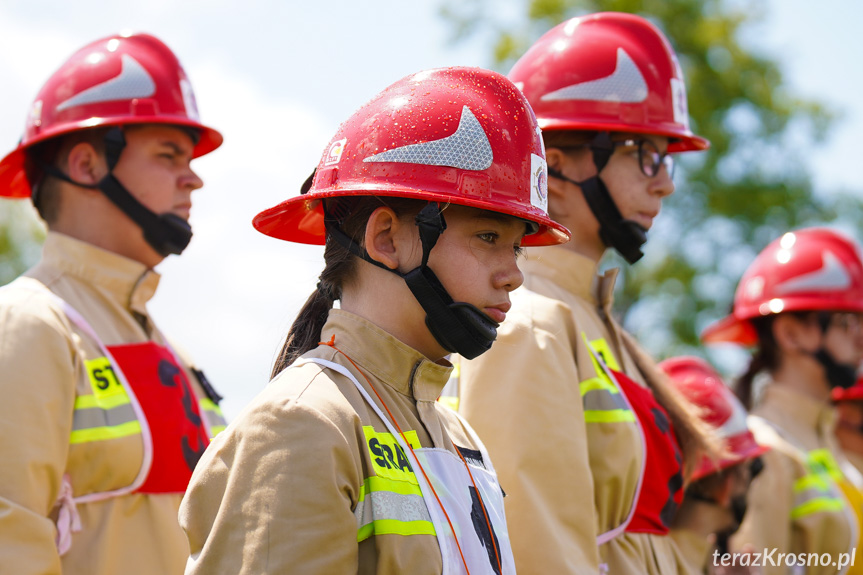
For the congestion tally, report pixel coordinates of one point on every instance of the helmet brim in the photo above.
(854, 393)
(301, 219)
(730, 330)
(746, 450)
(678, 140)
(13, 179)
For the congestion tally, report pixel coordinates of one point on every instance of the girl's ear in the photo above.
(380, 237)
(792, 333)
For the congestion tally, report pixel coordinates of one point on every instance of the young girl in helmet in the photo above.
(800, 303)
(346, 463)
(592, 441)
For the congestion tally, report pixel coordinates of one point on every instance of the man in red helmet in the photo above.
(589, 439)
(714, 503)
(102, 421)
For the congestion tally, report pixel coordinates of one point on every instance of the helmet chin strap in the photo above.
(625, 236)
(841, 375)
(458, 327)
(166, 233)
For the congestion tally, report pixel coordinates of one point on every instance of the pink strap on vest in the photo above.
(68, 520)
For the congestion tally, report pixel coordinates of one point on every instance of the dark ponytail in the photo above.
(697, 439)
(350, 214)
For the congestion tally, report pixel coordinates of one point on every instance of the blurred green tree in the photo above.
(21, 237)
(750, 187)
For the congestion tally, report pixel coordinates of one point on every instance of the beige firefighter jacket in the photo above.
(796, 505)
(45, 372)
(694, 548)
(568, 453)
(285, 488)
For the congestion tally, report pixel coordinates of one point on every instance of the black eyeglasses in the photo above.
(650, 159)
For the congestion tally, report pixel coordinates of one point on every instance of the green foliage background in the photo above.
(21, 237)
(751, 186)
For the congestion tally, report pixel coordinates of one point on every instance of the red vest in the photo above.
(662, 484)
(171, 410)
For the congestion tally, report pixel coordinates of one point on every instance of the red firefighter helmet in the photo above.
(118, 80)
(813, 269)
(461, 135)
(607, 72)
(702, 386)
(853, 393)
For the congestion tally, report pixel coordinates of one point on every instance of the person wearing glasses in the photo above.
(588, 436)
(799, 304)
(714, 502)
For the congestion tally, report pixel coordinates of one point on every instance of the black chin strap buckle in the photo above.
(458, 327)
(170, 236)
(626, 236)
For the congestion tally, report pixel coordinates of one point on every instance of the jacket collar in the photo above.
(384, 357)
(575, 273)
(781, 403)
(129, 282)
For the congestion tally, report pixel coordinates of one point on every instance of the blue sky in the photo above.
(277, 78)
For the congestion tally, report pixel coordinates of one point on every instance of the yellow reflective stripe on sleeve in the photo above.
(209, 405)
(213, 414)
(811, 481)
(376, 483)
(822, 460)
(596, 383)
(97, 419)
(817, 505)
(91, 401)
(391, 501)
(612, 416)
(393, 527)
(390, 507)
(817, 491)
(103, 433)
(602, 400)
